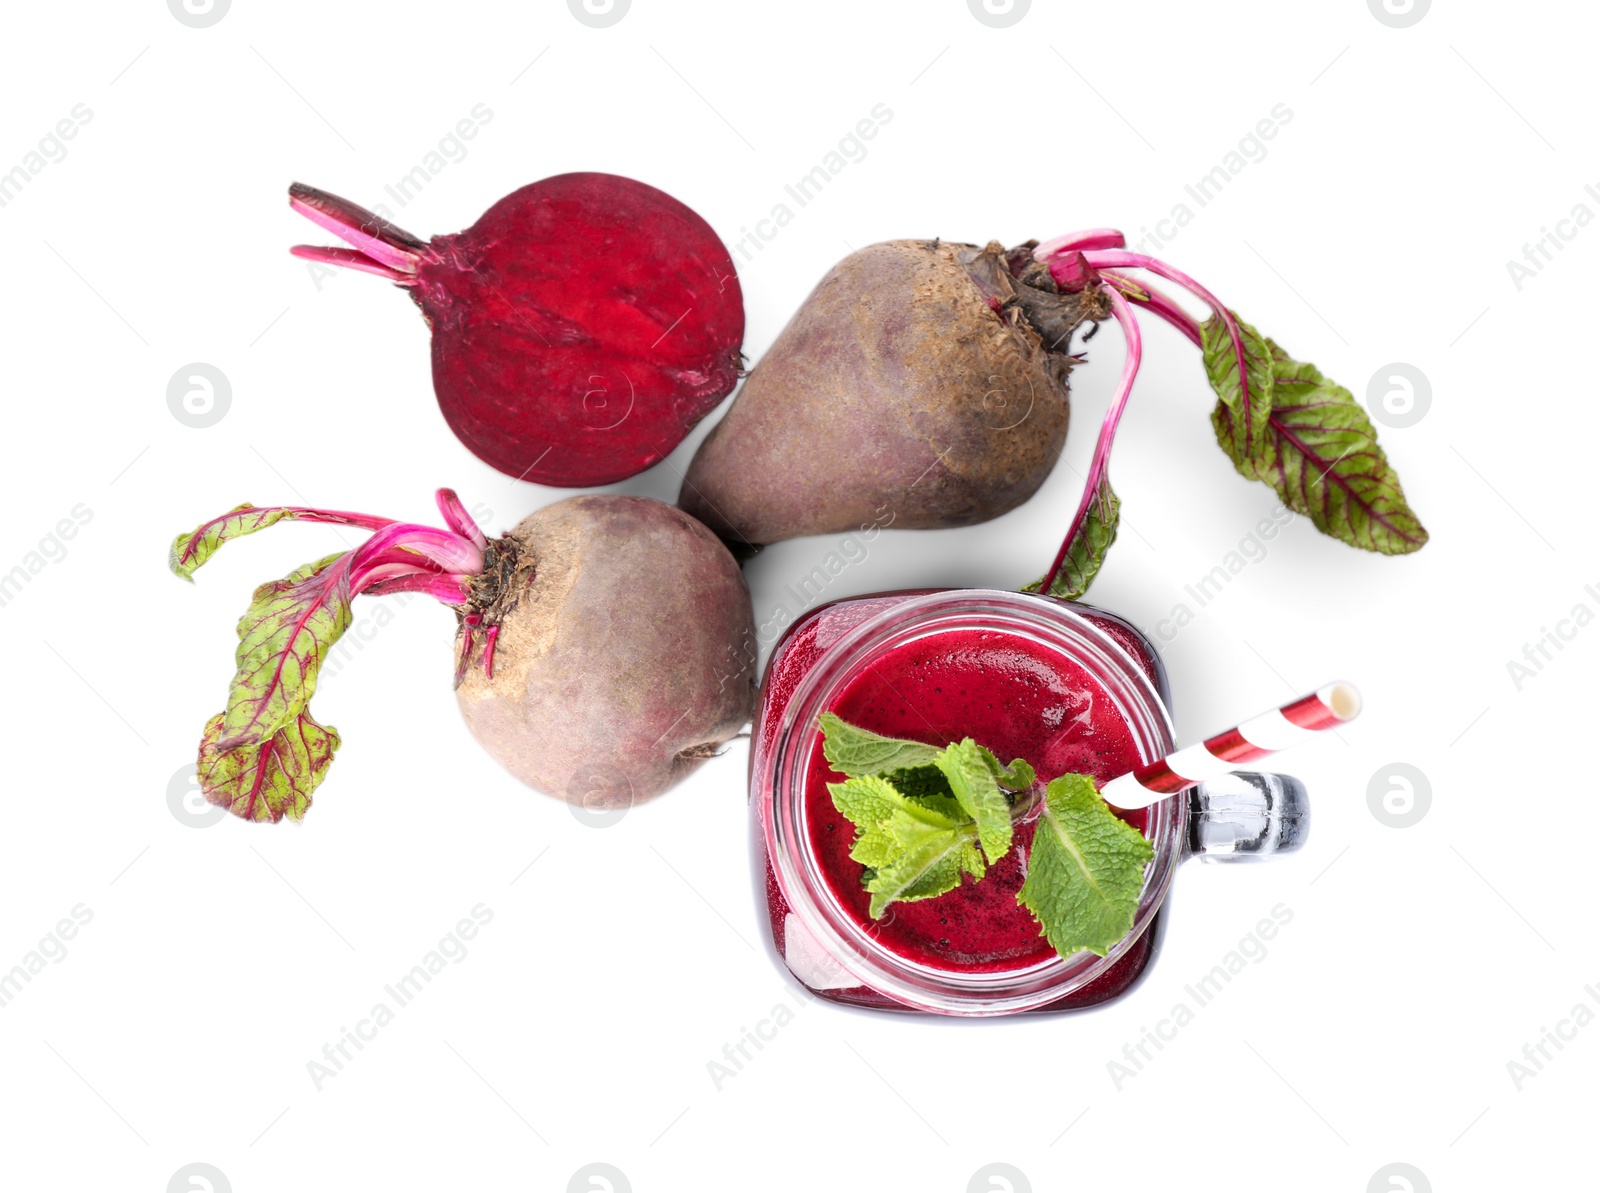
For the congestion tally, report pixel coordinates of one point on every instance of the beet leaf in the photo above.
(190, 551)
(1244, 410)
(1322, 458)
(1087, 547)
(267, 780)
(264, 754)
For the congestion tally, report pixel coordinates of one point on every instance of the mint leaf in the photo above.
(1245, 404)
(927, 785)
(942, 805)
(881, 814)
(1322, 457)
(931, 862)
(976, 790)
(919, 782)
(1018, 776)
(190, 551)
(868, 802)
(267, 780)
(1086, 549)
(914, 848)
(854, 751)
(1085, 870)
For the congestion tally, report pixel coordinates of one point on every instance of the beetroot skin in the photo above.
(625, 657)
(921, 380)
(580, 328)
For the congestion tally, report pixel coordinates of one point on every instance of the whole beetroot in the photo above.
(622, 664)
(921, 380)
(604, 648)
(580, 328)
(924, 384)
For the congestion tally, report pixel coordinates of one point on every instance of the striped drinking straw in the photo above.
(1296, 721)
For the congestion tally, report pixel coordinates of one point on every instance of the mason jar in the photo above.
(1069, 688)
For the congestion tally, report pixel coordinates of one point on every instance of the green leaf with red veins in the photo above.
(283, 638)
(1323, 459)
(190, 551)
(1242, 414)
(267, 780)
(1087, 551)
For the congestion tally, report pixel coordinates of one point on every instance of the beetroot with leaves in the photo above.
(580, 328)
(927, 381)
(603, 647)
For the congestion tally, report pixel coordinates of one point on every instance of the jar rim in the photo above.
(1054, 624)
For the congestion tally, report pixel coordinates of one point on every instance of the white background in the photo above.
(579, 1028)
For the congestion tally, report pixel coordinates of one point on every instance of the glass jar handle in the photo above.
(1246, 816)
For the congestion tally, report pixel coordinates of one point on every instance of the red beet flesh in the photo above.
(580, 328)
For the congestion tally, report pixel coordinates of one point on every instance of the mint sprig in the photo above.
(925, 817)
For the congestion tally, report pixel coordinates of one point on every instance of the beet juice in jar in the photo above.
(1066, 687)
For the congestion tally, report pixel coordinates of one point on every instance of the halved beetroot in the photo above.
(580, 328)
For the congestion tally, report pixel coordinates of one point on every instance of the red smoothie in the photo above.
(1017, 698)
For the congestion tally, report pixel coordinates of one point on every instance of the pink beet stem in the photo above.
(448, 589)
(1155, 300)
(1108, 428)
(1089, 238)
(1112, 258)
(488, 651)
(450, 551)
(372, 234)
(350, 259)
(456, 517)
(1072, 272)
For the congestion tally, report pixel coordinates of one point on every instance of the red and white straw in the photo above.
(1296, 721)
